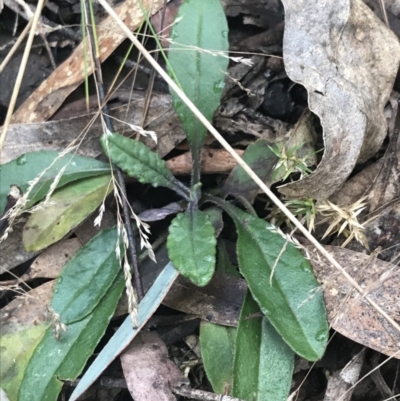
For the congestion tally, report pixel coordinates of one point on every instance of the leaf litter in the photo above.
(333, 166)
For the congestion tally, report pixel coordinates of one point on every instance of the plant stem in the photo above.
(120, 178)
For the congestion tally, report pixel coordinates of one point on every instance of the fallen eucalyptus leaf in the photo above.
(347, 60)
(355, 318)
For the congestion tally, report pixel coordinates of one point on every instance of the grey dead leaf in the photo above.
(150, 374)
(347, 59)
(354, 317)
(161, 213)
(340, 384)
(57, 135)
(12, 251)
(218, 302)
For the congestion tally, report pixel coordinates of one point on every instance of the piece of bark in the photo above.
(214, 161)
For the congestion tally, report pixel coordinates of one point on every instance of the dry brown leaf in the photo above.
(347, 59)
(149, 373)
(353, 316)
(356, 187)
(12, 251)
(50, 95)
(218, 302)
(50, 263)
(214, 161)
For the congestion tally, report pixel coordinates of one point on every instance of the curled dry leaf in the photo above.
(341, 383)
(347, 59)
(348, 312)
(149, 374)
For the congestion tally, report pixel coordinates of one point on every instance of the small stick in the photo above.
(202, 395)
(120, 178)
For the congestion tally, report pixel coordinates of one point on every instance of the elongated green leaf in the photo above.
(68, 207)
(126, 332)
(28, 166)
(87, 277)
(217, 347)
(293, 301)
(138, 161)
(263, 364)
(262, 160)
(224, 265)
(16, 350)
(200, 74)
(54, 360)
(192, 246)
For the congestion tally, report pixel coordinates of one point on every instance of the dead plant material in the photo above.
(355, 318)
(214, 161)
(50, 95)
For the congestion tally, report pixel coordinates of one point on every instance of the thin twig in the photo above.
(202, 395)
(244, 165)
(120, 178)
(21, 72)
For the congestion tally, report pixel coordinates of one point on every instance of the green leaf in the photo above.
(262, 160)
(53, 360)
(16, 350)
(126, 332)
(263, 364)
(192, 246)
(87, 277)
(28, 166)
(217, 347)
(200, 74)
(67, 207)
(138, 161)
(293, 301)
(224, 264)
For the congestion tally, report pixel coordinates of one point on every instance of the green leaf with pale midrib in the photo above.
(65, 359)
(294, 304)
(67, 207)
(201, 75)
(138, 161)
(217, 347)
(192, 246)
(87, 277)
(263, 363)
(28, 166)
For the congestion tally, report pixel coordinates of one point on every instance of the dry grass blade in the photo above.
(243, 164)
(344, 220)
